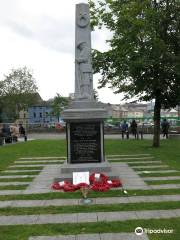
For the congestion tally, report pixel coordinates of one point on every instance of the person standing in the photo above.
(124, 130)
(134, 128)
(165, 128)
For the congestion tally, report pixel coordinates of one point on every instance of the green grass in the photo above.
(158, 182)
(23, 232)
(16, 179)
(90, 208)
(78, 195)
(12, 187)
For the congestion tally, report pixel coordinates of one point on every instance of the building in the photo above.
(41, 114)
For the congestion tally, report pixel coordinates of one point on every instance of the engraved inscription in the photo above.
(85, 142)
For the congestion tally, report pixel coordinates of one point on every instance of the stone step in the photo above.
(165, 186)
(68, 177)
(129, 158)
(156, 166)
(88, 217)
(99, 201)
(18, 176)
(84, 167)
(27, 158)
(161, 178)
(18, 171)
(128, 155)
(27, 165)
(158, 171)
(41, 161)
(13, 183)
(100, 236)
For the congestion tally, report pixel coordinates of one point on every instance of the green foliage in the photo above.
(144, 56)
(58, 104)
(18, 91)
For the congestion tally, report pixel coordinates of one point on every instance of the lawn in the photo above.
(168, 153)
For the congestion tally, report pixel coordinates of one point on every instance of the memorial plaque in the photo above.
(85, 142)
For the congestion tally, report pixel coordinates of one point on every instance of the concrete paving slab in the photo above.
(101, 236)
(17, 176)
(155, 166)
(13, 183)
(45, 179)
(16, 220)
(19, 171)
(123, 236)
(161, 178)
(67, 237)
(127, 155)
(157, 171)
(40, 161)
(116, 216)
(43, 158)
(165, 186)
(101, 216)
(129, 158)
(87, 217)
(10, 192)
(27, 165)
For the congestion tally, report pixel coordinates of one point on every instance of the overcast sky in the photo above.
(40, 34)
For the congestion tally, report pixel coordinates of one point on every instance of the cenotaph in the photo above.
(84, 117)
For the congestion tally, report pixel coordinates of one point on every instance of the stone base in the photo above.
(66, 171)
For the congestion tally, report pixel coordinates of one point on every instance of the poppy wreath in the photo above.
(102, 178)
(100, 186)
(58, 185)
(114, 183)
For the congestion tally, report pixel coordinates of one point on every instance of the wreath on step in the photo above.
(98, 182)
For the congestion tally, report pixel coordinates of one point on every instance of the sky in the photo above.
(40, 34)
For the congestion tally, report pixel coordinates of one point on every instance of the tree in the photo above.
(144, 56)
(18, 91)
(58, 104)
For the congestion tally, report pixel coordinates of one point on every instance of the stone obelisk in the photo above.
(84, 117)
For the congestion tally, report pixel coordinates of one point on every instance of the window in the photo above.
(34, 114)
(40, 115)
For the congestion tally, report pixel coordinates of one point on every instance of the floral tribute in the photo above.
(98, 182)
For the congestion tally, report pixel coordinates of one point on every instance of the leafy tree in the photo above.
(144, 56)
(18, 91)
(58, 104)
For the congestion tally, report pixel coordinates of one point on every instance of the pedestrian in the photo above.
(22, 132)
(124, 130)
(14, 132)
(165, 128)
(134, 128)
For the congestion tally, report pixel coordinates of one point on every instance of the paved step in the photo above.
(88, 217)
(145, 162)
(158, 171)
(10, 192)
(156, 166)
(165, 186)
(128, 155)
(28, 165)
(18, 171)
(100, 236)
(161, 178)
(99, 201)
(40, 161)
(45, 158)
(129, 158)
(13, 183)
(18, 176)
